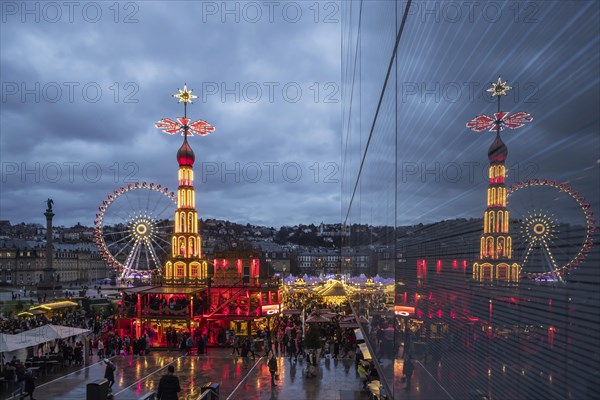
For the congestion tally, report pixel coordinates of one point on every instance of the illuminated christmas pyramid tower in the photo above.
(185, 265)
(495, 263)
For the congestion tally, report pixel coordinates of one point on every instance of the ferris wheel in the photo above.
(555, 228)
(133, 229)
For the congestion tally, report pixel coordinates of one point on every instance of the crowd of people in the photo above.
(110, 345)
(319, 339)
(65, 352)
(338, 342)
(16, 325)
(286, 335)
(15, 370)
(76, 318)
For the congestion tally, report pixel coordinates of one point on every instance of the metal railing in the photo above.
(208, 395)
(382, 378)
(210, 391)
(231, 298)
(148, 396)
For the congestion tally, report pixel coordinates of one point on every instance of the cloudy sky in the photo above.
(82, 87)
(447, 56)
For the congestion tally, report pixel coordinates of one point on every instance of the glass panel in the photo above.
(515, 320)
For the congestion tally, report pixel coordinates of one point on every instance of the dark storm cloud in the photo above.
(80, 99)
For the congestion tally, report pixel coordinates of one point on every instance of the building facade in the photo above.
(320, 261)
(22, 263)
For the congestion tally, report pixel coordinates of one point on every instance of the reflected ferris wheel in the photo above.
(555, 228)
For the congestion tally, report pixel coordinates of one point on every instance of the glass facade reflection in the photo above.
(415, 188)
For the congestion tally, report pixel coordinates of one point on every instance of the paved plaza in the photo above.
(136, 376)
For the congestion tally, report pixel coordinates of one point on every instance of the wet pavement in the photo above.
(136, 376)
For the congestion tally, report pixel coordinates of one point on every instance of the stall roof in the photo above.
(30, 313)
(137, 289)
(317, 318)
(334, 290)
(175, 290)
(57, 305)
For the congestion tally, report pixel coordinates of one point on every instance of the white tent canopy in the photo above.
(37, 336)
(51, 332)
(15, 342)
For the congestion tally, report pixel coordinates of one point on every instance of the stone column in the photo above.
(49, 269)
(48, 286)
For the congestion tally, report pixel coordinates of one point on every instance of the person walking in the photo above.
(100, 348)
(88, 343)
(190, 345)
(300, 351)
(336, 349)
(286, 345)
(268, 346)
(244, 353)
(293, 350)
(109, 373)
(182, 347)
(311, 367)
(174, 341)
(408, 369)
(146, 344)
(29, 385)
(127, 345)
(236, 346)
(20, 374)
(168, 386)
(253, 348)
(280, 344)
(205, 339)
(272, 364)
(200, 345)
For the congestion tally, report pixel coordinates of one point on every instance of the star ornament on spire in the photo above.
(182, 124)
(501, 119)
(185, 95)
(499, 88)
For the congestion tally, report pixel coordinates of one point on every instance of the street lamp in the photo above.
(347, 264)
(283, 278)
(320, 264)
(270, 267)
